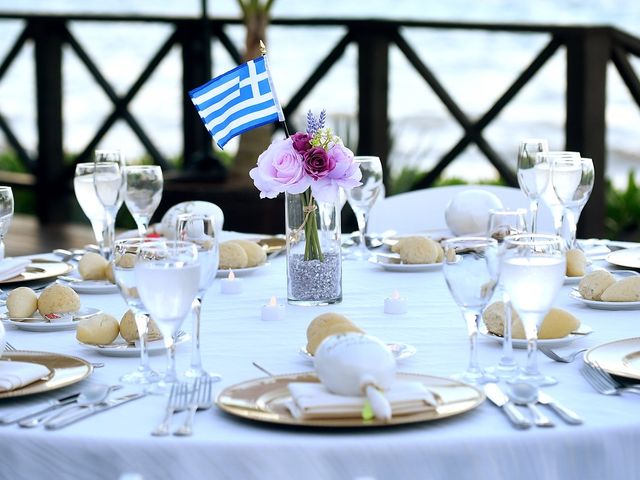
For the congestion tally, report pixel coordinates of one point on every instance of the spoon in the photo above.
(525, 394)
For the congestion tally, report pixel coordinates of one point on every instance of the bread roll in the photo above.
(108, 273)
(232, 256)
(325, 325)
(58, 298)
(557, 323)
(625, 290)
(92, 266)
(415, 250)
(129, 329)
(594, 284)
(576, 263)
(100, 329)
(256, 255)
(22, 302)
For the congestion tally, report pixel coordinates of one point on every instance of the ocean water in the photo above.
(476, 67)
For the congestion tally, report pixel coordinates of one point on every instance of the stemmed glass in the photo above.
(471, 271)
(528, 178)
(533, 268)
(503, 223)
(167, 276)
(143, 193)
(201, 230)
(108, 181)
(363, 197)
(88, 201)
(6, 214)
(124, 259)
(574, 203)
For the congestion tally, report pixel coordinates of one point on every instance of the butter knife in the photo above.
(40, 409)
(569, 416)
(84, 412)
(499, 398)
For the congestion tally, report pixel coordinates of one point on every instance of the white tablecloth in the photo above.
(478, 444)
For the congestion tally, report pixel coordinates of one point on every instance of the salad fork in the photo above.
(201, 398)
(603, 382)
(560, 358)
(178, 398)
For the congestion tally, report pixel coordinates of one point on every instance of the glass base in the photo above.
(538, 379)
(193, 373)
(505, 369)
(475, 377)
(141, 377)
(314, 303)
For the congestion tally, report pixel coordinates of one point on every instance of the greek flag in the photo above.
(237, 101)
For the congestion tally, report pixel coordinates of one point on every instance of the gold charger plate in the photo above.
(264, 400)
(40, 271)
(65, 370)
(620, 357)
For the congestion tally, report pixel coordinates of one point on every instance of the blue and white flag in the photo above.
(237, 101)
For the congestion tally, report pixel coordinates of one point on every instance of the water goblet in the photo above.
(109, 183)
(201, 230)
(362, 198)
(142, 193)
(6, 214)
(123, 263)
(529, 180)
(573, 204)
(167, 276)
(471, 271)
(88, 201)
(532, 271)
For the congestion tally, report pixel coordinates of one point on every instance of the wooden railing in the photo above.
(588, 53)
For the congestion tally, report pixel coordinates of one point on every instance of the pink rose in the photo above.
(301, 142)
(344, 174)
(317, 162)
(280, 169)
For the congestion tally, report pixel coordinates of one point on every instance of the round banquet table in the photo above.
(477, 444)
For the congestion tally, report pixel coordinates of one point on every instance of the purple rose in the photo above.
(345, 173)
(318, 163)
(301, 142)
(280, 169)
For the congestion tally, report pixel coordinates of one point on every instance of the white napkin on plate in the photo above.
(11, 267)
(313, 400)
(18, 374)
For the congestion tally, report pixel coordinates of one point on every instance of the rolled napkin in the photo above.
(12, 267)
(313, 400)
(18, 374)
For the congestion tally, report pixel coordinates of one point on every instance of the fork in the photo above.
(560, 358)
(10, 348)
(177, 401)
(201, 398)
(603, 382)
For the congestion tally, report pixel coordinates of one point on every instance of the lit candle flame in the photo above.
(231, 275)
(395, 295)
(273, 302)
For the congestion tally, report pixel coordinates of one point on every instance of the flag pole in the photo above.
(263, 52)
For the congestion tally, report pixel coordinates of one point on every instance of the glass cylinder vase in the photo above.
(314, 259)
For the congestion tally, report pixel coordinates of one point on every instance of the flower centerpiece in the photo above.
(310, 168)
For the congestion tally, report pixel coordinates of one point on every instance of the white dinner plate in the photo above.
(400, 351)
(618, 274)
(120, 348)
(240, 272)
(390, 263)
(547, 342)
(88, 286)
(39, 324)
(629, 258)
(600, 305)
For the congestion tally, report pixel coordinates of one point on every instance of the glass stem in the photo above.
(2, 248)
(196, 360)
(572, 221)
(507, 359)
(170, 375)
(532, 359)
(361, 218)
(533, 208)
(109, 235)
(142, 323)
(472, 318)
(143, 225)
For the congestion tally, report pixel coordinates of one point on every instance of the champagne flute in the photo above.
(124, 258)
(471, 271)
(533, 269)
(167, 276)
(503, 223)
(363, 197)
(6, 215)
(143, 193)
(201, 230)
(88, 201)
(574, 204)
(109, 183)
(529, 180)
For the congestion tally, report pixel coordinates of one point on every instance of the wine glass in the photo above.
(123, 263)
(6, 214)
(109, 183)
(529, 180)
(533, 269)
(88, 201)
(143, 193)
(363, 197)
(201, 230)
(167, 276)
(501, 224)
(471, 271)
(574, 204)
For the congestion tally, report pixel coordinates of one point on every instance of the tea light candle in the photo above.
(231, 284)
(395, 305)
(272, 311)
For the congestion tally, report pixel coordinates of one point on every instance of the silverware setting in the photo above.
(567, 415)
(501, 400)
(178, 401)
(527, 396)
(201, 399)
(553, 355)
(603, 382)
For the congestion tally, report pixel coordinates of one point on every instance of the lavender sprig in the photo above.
(314, 124)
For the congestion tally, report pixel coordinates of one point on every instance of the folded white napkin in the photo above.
(313, 400)
(11, 267)
(18, 374)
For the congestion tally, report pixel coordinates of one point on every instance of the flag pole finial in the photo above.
(263, 48)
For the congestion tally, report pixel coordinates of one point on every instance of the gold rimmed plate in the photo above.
(265, 400)
(37, 270)
(64, 370)
(620, 357)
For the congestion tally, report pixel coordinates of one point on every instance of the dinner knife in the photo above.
(499, 398)
(40, 409)
(569, 416)
(84, 412)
